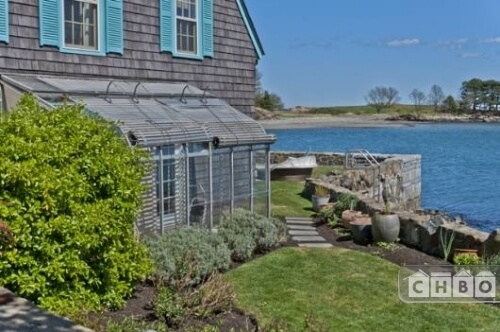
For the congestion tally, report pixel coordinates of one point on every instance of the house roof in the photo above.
(252, 31)
(150, 113)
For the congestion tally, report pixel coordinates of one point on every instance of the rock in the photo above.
(492, 243)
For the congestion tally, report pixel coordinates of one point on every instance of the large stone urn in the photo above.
(385, 227)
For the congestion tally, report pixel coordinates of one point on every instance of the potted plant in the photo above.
(349, 213)
(320, 198)
(385, 226)
(361, 229)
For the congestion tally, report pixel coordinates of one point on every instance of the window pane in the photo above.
(68, 35)
(81, 23)
(193, 11)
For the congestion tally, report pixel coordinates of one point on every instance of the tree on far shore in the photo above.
(418, 99)
(436, 96)
(382, 97)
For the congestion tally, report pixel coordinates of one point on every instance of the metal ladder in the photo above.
(362, 159)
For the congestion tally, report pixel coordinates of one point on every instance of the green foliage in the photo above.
(213, 297)
(70, 191)
(466, 259)
(269, 101)
(450, 105)
(168, 307)
(328, 214)
(191, 253)
(130, 324)
(248, 233)
(345, 202)
(493, 260)
(446, 242)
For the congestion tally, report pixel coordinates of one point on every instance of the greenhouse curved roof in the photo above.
(150, 113)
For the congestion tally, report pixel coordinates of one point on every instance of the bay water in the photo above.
(460, 162)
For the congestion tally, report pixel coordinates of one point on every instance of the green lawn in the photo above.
(345, 291)
(287, 199)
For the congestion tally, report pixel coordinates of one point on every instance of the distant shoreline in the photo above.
(333, 122)
(368, 121)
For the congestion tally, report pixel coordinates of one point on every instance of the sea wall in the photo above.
(399, 174)
(402, 176)
(421, 230)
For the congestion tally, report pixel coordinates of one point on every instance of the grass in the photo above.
(345, 291)
(287, 199)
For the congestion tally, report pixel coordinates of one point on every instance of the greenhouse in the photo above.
(208, 158)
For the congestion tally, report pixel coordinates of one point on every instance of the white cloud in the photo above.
(492, 40)
(471, 55)
(452, 42)
(403, 42)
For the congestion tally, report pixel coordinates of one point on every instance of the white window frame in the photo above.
(198, 27)
(98, 22)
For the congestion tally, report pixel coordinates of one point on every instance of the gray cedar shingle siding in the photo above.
(230, 75)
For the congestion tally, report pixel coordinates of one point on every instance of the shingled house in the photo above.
(176, 76)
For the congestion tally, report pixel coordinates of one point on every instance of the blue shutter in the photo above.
(4, 21)
(208, 28)
(50, 22)
(114, 26)
(166, 26)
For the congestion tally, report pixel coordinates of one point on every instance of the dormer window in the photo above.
(81, 24)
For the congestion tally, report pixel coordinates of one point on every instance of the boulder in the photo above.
(492, 243)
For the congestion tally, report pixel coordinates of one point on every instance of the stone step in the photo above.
(300, 222)
(302, 232)
(310, 238)
(301, 227)
(315, 245)
(298, 218)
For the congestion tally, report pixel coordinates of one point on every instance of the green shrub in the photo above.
(493, 260)
(168, 307)
(213, 297)
(188, 254)
(70, 190)
(248, 233)
(466, 259)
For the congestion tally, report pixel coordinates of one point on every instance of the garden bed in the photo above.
(396, 253)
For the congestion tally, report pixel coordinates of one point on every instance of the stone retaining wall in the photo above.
(421, 230)
(401, 173)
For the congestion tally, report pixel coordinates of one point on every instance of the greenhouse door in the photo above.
(167, 187)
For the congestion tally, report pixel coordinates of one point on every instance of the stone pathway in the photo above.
(303, 231)
(20, 315)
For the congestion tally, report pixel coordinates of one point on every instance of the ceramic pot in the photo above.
(385, 227)
(319, 201)
(361, 230)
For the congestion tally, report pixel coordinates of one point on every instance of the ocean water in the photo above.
(460, 162)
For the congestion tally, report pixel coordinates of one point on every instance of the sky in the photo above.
(333, 52)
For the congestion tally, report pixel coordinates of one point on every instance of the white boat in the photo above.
(294, 169)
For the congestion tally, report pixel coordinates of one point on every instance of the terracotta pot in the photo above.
(348, 216)
(465, 251)
(319, 201)
(361, 229)
(385, 227)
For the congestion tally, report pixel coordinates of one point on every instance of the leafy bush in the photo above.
(70, 190)
(248, 233)
(466, 259)
(493, 260)
(345, 202)
(188, 254)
